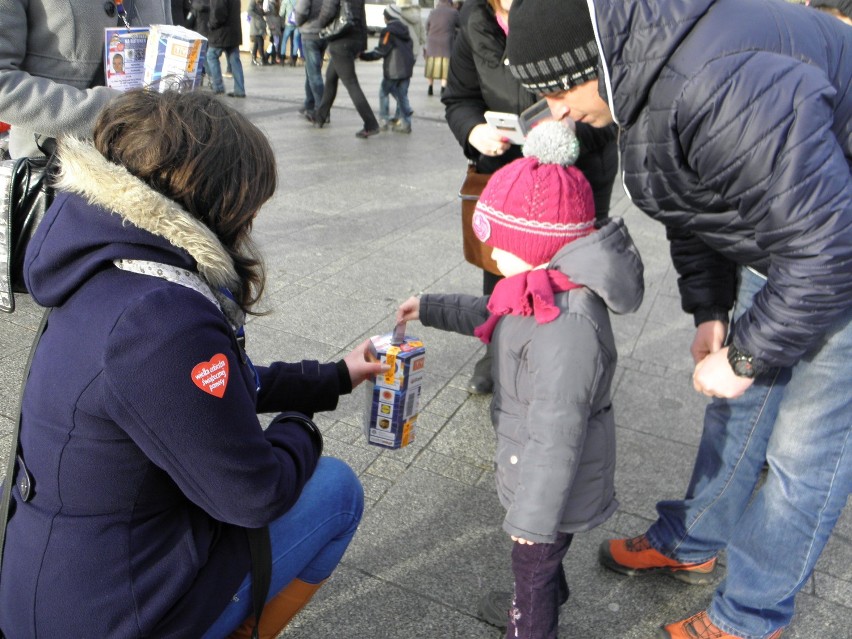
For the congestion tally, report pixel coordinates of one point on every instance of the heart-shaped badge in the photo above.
(212, 376)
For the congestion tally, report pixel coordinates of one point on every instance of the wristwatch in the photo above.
(742, 363)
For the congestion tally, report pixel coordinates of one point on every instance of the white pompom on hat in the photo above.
(537, 204)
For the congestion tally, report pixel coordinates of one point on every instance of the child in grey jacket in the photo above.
(553, 365)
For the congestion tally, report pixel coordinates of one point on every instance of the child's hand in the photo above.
(408, 310)
(522, 541)
(362, 364)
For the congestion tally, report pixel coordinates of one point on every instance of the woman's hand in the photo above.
(408, 310)
(362, 364)
(522, 541)
(487, 140)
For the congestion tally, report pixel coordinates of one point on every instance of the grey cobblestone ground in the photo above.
(356, 227)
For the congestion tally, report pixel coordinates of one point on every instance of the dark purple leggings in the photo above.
(540, 589)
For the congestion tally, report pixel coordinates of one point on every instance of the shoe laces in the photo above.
(638, 544)
(699, 626)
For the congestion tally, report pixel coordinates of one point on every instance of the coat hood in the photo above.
(398, 28)
(102, 213)
(608, 263)
(636, 40)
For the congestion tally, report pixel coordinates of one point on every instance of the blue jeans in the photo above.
(798, 420)
(291, 31)
(313, 50)
(399, 90)
(308, 541)
(215, 70)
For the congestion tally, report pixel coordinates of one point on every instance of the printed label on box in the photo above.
(393, 400)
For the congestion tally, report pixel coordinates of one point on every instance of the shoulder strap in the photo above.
(260, 548)
(13, 448)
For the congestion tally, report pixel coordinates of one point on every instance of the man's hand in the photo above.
(714, 376)
(709, 337)
(362, 364)
(522, 541)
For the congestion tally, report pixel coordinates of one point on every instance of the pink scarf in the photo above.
(525, 294)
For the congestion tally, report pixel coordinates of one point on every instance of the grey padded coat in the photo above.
(551, 409)
(50, 50)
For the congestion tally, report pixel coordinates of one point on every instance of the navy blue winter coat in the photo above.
(397, 49)
(143, 477)
(739, 140)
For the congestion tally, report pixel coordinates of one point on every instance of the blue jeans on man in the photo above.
(314, 51)
(798, 421)
(215, 69)
(399, 90)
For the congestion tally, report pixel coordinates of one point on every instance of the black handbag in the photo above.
(26, 192)
(342, 24)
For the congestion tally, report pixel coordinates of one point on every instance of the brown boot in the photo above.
(278, 611)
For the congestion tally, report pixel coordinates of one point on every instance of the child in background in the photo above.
(553, 365)
(396, 47)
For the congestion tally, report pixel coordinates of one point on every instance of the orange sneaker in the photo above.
(700, 627)
(635, 557)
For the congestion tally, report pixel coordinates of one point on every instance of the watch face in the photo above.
(743, 368)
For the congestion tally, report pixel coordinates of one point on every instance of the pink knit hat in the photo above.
(537, 204)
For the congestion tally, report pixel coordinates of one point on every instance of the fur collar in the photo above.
(85, 172)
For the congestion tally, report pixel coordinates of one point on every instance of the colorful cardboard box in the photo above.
(174, 58)
(393, 400)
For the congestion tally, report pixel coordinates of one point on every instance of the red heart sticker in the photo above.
(212, 376)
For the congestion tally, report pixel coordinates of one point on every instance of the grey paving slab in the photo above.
(355, 227)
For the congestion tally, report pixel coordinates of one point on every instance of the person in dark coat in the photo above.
(480, 81)
(735, 121)
(396, 50)
(343, 51)
(226, 34)
(554, 364)
(140, 428)
(199, 17)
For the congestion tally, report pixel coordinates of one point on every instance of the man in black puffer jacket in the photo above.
(735, 122)
(226, 33)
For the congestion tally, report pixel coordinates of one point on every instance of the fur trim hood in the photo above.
(101, 213)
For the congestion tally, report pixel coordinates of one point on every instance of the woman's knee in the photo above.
(339, 483)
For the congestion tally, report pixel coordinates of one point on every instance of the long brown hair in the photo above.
(203, 155)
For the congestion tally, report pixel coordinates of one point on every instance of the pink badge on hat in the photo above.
(481, 226)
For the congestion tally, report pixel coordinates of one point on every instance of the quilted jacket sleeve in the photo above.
(785, 171)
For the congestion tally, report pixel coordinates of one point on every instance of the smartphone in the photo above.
(507, 124)
(538, 112)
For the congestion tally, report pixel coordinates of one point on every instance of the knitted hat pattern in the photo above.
(534, 206)
(551, 45)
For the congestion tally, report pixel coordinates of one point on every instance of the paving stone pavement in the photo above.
(356, 227)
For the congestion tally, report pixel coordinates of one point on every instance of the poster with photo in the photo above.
(124, 57)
